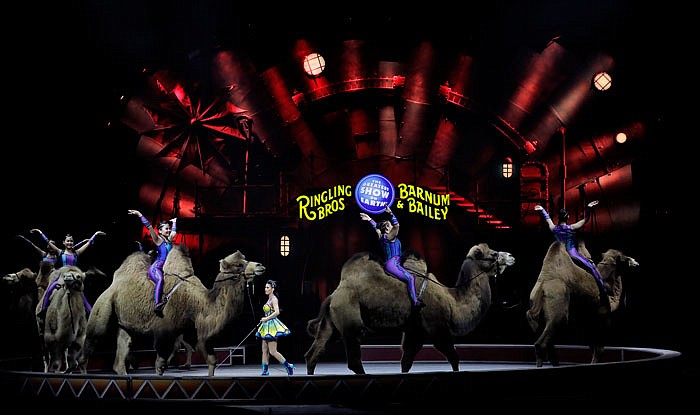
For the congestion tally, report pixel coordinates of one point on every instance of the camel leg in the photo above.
(123, 350)
(602, 325)
(57, 357)
(346, 318)
(97, 326)
(545, 346)
(555, 312)
(207, 350)
(211, 363)
(45, 354)
(598, 334)
(446, 346)
(353, 352)
(597, 353)
(411, 343)
(165, 347)
(42, 342)
(189, 340)
(188, 360)
(181, 343)
(72, 357)
(323, 335)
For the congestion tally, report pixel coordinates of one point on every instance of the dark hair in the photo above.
(563, 215)
(163, 223)
(273, 284)
(382, 224)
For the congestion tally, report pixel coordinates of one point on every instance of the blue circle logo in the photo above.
(374, 193)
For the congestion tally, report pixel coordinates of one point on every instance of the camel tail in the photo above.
(533, 314)
(312, 325)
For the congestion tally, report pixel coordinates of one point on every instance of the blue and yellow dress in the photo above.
(273, 328)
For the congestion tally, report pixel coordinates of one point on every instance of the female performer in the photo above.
(565, 233)
(163, 239)
(387, 232)
(271, 329)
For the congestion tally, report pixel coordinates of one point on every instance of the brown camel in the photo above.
(18, 299)
(24, 291)
(193, 311)
(367, 299)
(43, 277)
(64, 330)
(563, 289)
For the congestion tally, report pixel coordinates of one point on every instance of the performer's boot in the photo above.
(289, 367)
(265, 371)
(417, 307)
(159, 307)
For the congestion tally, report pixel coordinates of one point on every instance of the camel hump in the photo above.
(581, 248)
(556, 248)
(358, 264)
(368, 264)
(178, 262)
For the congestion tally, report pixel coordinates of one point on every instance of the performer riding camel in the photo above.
(565, 233)
(387, 232)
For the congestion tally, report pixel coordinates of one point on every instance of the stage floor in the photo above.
(339, 369)
(493, 373)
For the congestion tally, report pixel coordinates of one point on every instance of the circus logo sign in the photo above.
(323, 204)
(373, 193)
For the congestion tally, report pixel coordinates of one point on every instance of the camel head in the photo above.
(612, 264)
(25, 274)
(505, 259)
(237, 264)
(72, 277)
(617, 258)
(482, 252)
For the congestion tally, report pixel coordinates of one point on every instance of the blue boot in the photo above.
(289, 367)
(265, 371)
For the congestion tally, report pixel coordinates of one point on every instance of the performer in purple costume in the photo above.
(566, 234)
(67, 256)
(163, 239)
(387, 232)
(48, 257)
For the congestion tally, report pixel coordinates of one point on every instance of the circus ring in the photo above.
(488, 373)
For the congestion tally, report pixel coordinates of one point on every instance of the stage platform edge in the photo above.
(487, 371)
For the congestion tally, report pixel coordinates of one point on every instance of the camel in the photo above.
(367, 299)
(64, 330)
(43, 278)
(18, 298)
(24, 288)
(193, 311)
(563, 288)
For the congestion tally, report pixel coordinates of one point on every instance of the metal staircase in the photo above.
(472, 209)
